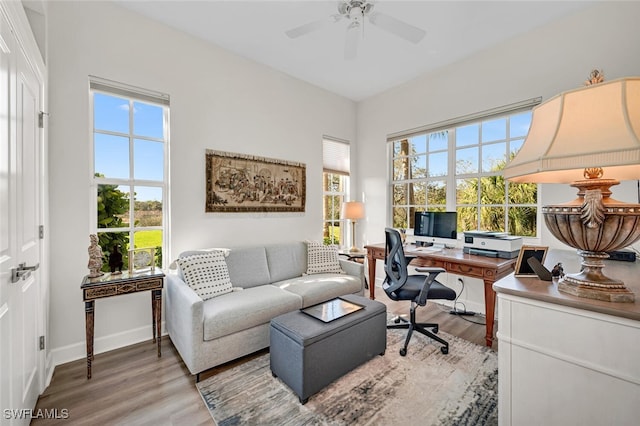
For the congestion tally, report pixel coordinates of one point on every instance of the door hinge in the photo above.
(42, 343)
(41, 115)
(41, 232)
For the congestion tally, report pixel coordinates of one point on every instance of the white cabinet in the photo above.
(560, 365)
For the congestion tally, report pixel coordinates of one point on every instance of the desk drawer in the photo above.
(428, 262)
(467, 270)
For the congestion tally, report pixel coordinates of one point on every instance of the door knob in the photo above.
(23, 267)
(22, 271)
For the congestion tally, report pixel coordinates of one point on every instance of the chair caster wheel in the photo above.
(435, 330)
(397, 320)
(444, 350)
(403, 352)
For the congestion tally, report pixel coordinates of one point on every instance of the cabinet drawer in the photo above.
(428, 262)
(467, 270)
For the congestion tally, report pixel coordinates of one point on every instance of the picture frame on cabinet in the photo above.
(522, 268)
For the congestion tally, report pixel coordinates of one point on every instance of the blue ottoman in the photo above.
(307, 354)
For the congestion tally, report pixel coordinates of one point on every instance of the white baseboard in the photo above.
(78, 350)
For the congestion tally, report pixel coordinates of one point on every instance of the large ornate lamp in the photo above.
(353, 211)
(578, 137)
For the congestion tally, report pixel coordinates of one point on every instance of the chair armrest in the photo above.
(429, 279)
(185, 317)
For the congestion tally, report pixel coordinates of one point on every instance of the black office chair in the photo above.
(399, 285)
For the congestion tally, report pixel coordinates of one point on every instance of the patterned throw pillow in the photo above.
(322, 259)
(206, 274)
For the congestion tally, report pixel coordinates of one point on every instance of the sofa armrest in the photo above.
(353, 268)
(185, 318)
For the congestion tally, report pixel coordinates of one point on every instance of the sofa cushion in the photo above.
(206, 274)
(248, 266)
(286, 260)
(241, 310)
(225, 251)
(322, 258)
(321, 287)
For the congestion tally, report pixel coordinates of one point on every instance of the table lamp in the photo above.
(353, 211)
(580, 137)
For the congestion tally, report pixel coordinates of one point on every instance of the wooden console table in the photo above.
(488, 269)
(109, 285)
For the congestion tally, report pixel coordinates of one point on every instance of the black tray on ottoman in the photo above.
(308, 353)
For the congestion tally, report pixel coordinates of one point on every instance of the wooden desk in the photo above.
(488, 269)
(109, 285)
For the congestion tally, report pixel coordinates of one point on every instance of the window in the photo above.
(130, 138)
(460, 167)
(335, 184)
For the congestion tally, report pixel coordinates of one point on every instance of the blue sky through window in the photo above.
(112, 150)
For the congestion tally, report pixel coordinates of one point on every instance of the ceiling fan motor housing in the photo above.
(355, 9)
(355, 12)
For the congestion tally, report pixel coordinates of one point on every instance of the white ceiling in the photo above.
(256, 30)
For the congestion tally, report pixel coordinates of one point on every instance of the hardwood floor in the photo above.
(132, 386)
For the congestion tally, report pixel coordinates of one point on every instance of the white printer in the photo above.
(492, 244)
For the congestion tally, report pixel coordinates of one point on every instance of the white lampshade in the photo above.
(352, 210)
(594, 126)
(589, 137)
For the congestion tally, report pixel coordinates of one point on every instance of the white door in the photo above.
(20, 246)
(7, 225)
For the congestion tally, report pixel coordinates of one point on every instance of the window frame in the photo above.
(329, 170)
(449, 127)
(131, 95)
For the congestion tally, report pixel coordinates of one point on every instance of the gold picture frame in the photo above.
(142, 259)
(522, 268)
(247, 183)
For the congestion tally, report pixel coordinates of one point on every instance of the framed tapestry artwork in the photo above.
(523, 268)
(246, 183)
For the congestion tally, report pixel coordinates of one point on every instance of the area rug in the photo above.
(423, 388)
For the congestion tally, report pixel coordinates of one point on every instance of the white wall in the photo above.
(543, 62)
(218, 101)
(221, 101)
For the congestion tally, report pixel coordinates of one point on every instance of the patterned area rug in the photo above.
(423, 388)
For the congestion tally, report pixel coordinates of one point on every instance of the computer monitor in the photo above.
(437, 228)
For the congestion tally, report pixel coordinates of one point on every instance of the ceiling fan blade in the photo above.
(397, 27)
(312, 26)
(306, 28)
(351, 42)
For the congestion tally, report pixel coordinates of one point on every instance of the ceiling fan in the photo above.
(355, 12)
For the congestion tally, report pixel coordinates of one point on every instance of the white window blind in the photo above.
(335, 156)
(459, 121)
(127, 91)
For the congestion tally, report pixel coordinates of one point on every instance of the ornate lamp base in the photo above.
(353, 248)
(591, 283)
(594, 223)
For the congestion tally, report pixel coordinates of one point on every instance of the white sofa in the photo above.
(273, 280)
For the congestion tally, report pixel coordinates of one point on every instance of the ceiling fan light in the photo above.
(356, 14)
